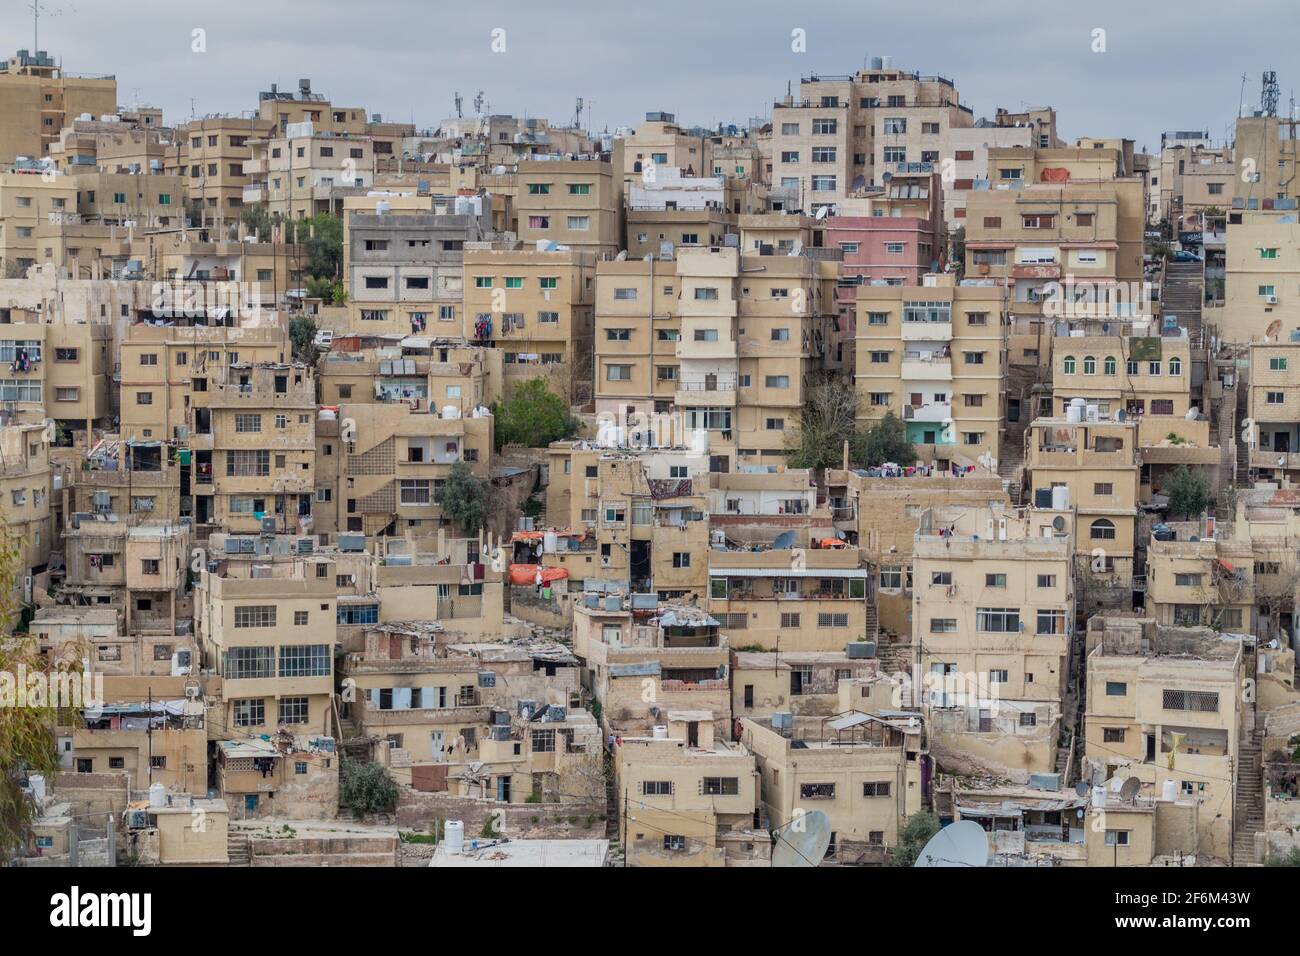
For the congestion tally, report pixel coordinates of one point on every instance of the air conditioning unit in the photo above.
(1270, 299)
(306, 545)
(268, 525)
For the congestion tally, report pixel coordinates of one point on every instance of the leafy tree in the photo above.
(27, 732)
(957, 242)
(917, 831)
(302, 336)
(826, 422)
(534, 416)
(1291, 858)
(322, 234)
(366, 788)
(463, 498)
(887, 441)
(1188, 491)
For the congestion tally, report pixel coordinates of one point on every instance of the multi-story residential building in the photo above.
(258, 428)
(802, 683)
(303, 170)
(993, 610)
(214, 155)
(389, 461)
(672, 211)
(1206, 580)
(895, 236)
(648, 660)
(637, 336)
(796, 597)
(406, 270)
(880, 515)
(660, 142)
(1146, 377)
(1264, 151)
(1092, 471)
(1166, 704)
(37, 98)
(537, 307)
(57, 369)
(30, 192)
(862, 770)
(1272, 429)
(574, 202)
(1059, 219)
(1261, 275)
(688, 804)
(267, 629)
(935, 356)
(25, 483)
(421, 371)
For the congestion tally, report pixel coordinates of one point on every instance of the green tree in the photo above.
(322, 234)
(917, 831)
(826, 421)
(1188, 491)
(957, 255)
(366, 788)
(302, 336)
(886, 441)
(463, 498)
(26, 733)
(534, 416)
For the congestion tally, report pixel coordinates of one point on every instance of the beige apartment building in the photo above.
(1261, 277)
(422, 372)
(1091, 471)
(1272, 429)
(804, 683)
(56, 369)
(637, 335)
(303, 171)
(880, 517)
(647, 661)
(258, 431)
(37, 99)
(935, 356)
(1059, 221)
(993, 609)
(383, 473)
(212, 155)
(538, 308)
(1264, 150)
(688, 805)
(798, 598)
(862, 770)
(576, 203)
(268, 631)
(29, 195)
(660, 143)
(25, 488)
(1209, 581)
(1164, 704)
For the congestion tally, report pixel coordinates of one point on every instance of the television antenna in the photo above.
(577, 115)
(460, 103)
(479, 100)
(37, 9)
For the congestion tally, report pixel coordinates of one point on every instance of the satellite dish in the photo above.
(803, 842)
(1128, 790)
(783, 540)
(963, 843)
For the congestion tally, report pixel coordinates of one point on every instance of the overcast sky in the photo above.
(1165, 66)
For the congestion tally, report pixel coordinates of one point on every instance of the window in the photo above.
(1116, 688)
(249, 712)
(251, 463)
(943, 625)
(1089, 365)
(998, 676)
(1103, 529)
(721, 786)
(1175, 366)
(995, 580)
(248, 663)
(675, 842)
(877, 788)
(789, 620)
(1187, 580)
(1103, 489)
(1037, 221)
(656, 788)
(248, 423)
(1112, 735)
(706, 294)
(891, 578)
(144, 398)
(1068, 365)
(618, 373)
(1117, 837)
(305, 660)
(832, 620)
(997, 620)
(294, 710)
(817, 791)
(256, 615)
(1275, 398)
(780, 335)
(1199, 701)
(1028, 720)
(777, 381)
(618, 335)
(681, 559)
(1051, 621)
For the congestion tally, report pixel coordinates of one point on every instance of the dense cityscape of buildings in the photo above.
(916, 466)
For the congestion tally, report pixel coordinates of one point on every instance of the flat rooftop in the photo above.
(529, 853)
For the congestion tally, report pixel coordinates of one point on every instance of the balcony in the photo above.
(931, 368)
(254, 194)
(927, 331)
(1263, 458)
(933, 412)
(706, 393)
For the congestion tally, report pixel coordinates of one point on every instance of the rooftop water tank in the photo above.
(454, 836)
(1169, 791)
(661, 732)
(1060, 498)
(157, 796)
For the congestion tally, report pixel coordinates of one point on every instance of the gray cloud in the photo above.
(1166, 66)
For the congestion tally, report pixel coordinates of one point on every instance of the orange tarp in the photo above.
(527, 574)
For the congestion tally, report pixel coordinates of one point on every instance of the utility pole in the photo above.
(149, 732)
(624, 840)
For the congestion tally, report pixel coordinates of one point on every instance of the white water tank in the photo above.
(1169, 791)
(1074, 411)
(550, 542)
(157, 796)
(450, 411)
(454, 836)
(1098, 796)
(37, 782)
(1060, 498)
(1094, 413)
(661, 732)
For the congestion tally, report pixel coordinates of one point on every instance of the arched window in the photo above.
(1103, 529)
(1068, 365)
(1089, 365)
(1175, 366)
(1109, 365)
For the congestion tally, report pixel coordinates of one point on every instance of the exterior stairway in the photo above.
(1248, 815)
(238, 850)
(1182, 294)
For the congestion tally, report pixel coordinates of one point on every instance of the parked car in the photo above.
(1182, 255)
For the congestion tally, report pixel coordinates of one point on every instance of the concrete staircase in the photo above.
(238, 850)
(1182, 294)
(872, 623)
(1248, 813)
(1011, 461)
(612, 811)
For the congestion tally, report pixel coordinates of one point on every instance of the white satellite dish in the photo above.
(803, 841)
(963, 843)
